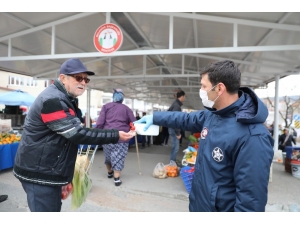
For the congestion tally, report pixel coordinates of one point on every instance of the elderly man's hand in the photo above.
(123, 136)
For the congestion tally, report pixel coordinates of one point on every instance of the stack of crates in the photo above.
(187, 174)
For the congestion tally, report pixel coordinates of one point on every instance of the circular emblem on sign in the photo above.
(204, 133)
(217, 154)
(108, 38)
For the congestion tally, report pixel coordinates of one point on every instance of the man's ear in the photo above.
(221, 88)
(62, 78)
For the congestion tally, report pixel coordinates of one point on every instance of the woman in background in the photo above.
(115, 115)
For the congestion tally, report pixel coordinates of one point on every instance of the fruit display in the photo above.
(7, 138)
(190, 157)
(197, 135)
(194, 145)
(192, 139)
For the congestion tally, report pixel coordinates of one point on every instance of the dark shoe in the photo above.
(110, 175)
(178, 163)
(3, 198)
(117, 181)
(143, 147)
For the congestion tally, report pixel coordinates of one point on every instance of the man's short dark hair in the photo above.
(180, 93)
(225, 72)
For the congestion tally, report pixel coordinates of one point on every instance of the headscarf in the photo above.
(118, 95)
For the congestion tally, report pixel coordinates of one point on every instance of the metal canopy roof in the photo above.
(161, 52)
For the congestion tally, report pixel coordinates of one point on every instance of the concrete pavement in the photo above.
(144, 193)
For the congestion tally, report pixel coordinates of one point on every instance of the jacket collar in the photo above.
(179, 102)
(62, 88)
(231, 109)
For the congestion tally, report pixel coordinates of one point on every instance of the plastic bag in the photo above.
(81, 182)
(172, 169)
(160, 171)
(83, 160)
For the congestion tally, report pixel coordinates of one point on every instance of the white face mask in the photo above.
(205, 101)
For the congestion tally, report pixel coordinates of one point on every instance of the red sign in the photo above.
(108, 38)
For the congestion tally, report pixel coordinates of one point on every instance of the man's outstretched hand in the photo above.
(126, 136)
(148, 120)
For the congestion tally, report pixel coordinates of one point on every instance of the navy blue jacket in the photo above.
(234, 157)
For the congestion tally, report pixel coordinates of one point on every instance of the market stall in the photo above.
(16, 98)
(186, 172)
(7, 155)
(290, 152)
(13, 101)
(189, 160)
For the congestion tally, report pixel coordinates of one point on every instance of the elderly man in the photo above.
(47, 152)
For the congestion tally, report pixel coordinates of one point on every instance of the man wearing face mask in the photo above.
(235, 154)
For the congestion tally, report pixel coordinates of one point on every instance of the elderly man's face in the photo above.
(72, 85)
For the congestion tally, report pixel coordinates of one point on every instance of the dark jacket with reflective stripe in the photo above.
(48, 148)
